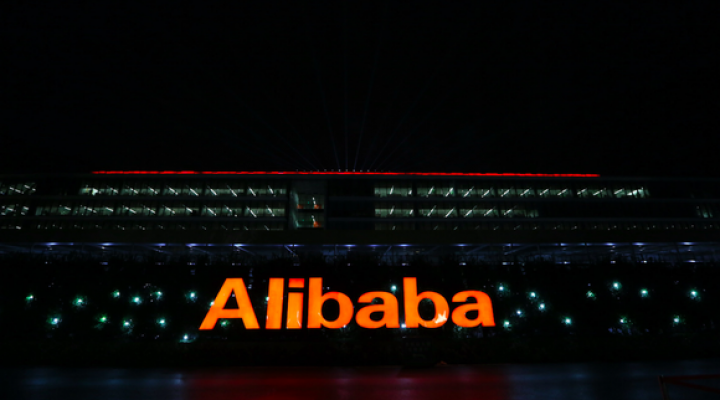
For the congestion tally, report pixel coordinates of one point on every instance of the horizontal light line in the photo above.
(342, 173)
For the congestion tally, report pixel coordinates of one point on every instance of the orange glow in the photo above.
(483, 307)
(244, 310)
(275, 303)
(389, 308)
(316, 300)
(296, 283)
(412, 300)
(294, 311)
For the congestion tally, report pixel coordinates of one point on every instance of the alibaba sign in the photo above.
(388, 307)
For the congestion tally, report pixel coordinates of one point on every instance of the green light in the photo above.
(532, 294)
(79, 301)
(676, 320)
(126, 324)
(568, 321)
(590, 294)
(136, 300)
(541, 306)
(158, 294)
(616, 285)
(116, 294)
(161, 321)
(644, 293)
(55, 321)
(30, 298)
(192, 295)
(224, 323)
(103, 319)
(506, 324)
(393, 288)
(693, 293)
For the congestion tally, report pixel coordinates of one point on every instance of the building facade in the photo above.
(480, 213)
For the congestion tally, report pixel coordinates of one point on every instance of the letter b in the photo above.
(412, 300)
(316, 300)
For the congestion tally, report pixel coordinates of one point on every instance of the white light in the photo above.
(532, 294)
(506, 324)
(403, 326)
(567, 321)
(519, 312)
(501, 288)
(393, 288)
(542, 306)
(185, 337)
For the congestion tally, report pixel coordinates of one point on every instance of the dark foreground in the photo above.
(579, 381)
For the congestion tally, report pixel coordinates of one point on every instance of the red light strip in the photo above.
(342, 173)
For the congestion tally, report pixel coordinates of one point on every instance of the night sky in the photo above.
(454, 86)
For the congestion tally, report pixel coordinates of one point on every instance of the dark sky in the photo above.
(476, 86)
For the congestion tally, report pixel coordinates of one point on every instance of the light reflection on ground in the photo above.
(615, 381)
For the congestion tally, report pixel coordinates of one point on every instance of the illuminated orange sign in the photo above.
(388, 307)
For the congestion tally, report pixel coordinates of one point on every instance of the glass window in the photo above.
(437, 210)
(554, 191)
(178, 188)
(12, 209)
(17, 188)
(437, 189)
(267, 188)
(178, 210)
(265, 210)
(470, 190)
(479, 211)
(310, 220)
(226, 189)
(311, 202)
(394, 210)
(393, 189)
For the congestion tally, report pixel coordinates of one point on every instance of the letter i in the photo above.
(275, 303)
(295, 304)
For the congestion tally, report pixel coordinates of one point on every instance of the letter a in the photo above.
(244, 311)
(412, 300)
(483, 306)
(389, 308)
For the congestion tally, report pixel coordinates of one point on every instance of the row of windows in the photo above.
(189, 188)
(174, 209)
(318, 223)
(13, 209)
(483, 190)
(17, 188)
(441, 210)
(141, 226)
(565, 226)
